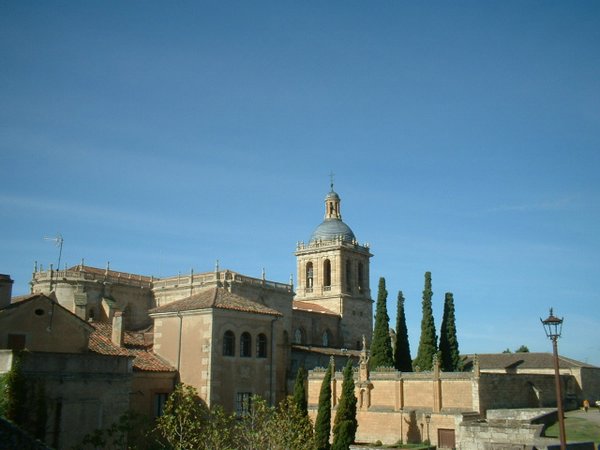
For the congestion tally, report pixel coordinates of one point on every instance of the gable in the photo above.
(39, 323)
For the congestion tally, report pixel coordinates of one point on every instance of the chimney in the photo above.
(117, 329)
(5, 290)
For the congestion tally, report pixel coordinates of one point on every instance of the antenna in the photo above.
(58, 241)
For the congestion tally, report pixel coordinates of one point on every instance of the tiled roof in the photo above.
(525, 360)
(133, 345)
(215, 297)
(326, 350)
(312, 307)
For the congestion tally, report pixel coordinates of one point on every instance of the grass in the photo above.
(578, 429)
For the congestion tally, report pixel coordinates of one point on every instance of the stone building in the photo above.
(229, 335)
(90, 372)
(232, 336)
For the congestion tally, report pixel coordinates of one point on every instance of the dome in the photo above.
(331, 195)
(331, 229)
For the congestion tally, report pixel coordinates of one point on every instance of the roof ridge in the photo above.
(214, 300)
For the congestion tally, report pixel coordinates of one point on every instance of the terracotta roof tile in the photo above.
(326, 350)
(312, 307)
(524, 360)
(216, 297)
(144, 359)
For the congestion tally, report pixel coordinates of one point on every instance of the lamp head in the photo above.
(552, 326)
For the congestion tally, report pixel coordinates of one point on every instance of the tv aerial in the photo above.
(58, 241)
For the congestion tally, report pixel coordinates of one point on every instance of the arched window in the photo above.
(348, 276)
(246, 345)
(325, 338)
(229, 343)
(261, 346)
(309, 275)
(327, 274)
(360, 277)
(298, 336)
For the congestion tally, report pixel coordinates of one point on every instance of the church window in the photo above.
(298, 336)
(246, 345)
(261, 346)
(309, 276)
(327, 274)
(360, 277)
(348, 276)
(229, 343)
(326, 338)
(243, 403)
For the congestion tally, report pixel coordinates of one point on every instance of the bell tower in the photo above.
(333, 272)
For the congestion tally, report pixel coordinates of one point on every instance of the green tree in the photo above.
(381, 345)
(323, 421)
(522, 349)
(253, 430)
(300, 391)
(428, 340)
(16, 393)
(450, 356)
(217, 429)
(345, 424)
(182, 420)
(290, 428)
(402, 358)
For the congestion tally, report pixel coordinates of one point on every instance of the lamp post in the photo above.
(427, 420)
(553, 329)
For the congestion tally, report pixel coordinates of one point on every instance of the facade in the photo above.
(126, 339)
(228, 335)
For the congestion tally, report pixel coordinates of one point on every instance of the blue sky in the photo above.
(464, 138)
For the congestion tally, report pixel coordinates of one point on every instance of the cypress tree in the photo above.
(428, 340)
(323, 421)
(345, 425)
(381, 345)
(300, 391)
(402, 358)
(450, 356)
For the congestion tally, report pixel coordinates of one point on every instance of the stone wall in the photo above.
(419, 405)
(144, 388)
(516, 391)
(508, 429)
(84, 392)
(82, 293)
(313, 325)
(590, 383)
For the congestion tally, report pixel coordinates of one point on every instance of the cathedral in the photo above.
(229, 335)
(102, 342)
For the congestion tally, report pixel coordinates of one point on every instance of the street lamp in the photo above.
(427, 420)
(553, 329)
